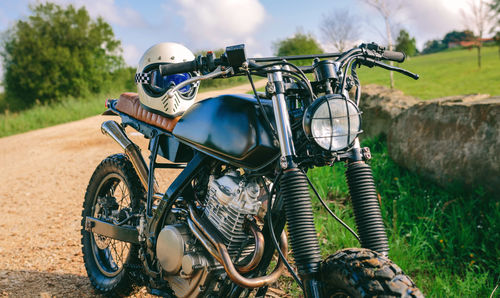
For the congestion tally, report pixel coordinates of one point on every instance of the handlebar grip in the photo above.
(173, 68)
(394, 56)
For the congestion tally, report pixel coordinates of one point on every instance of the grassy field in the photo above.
(71, 109)
(41, 116)
(443, 74)
(445, 239)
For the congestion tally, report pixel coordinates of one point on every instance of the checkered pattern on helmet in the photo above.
(142, 78)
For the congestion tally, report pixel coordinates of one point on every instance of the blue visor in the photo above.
(166, 82)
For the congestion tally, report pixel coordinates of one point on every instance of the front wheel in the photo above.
(359, 272)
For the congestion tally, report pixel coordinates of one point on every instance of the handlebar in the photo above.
(370, 54)
(174, 68)
(394, 56)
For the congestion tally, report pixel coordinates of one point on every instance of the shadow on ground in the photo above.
(43, 284)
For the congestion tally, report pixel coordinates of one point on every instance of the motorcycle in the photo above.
(244, 158)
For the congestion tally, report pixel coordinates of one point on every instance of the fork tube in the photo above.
(281, 116)
(295, 191)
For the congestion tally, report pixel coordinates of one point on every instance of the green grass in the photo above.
(443, 74)
(446, 239)
(44, 115)
(71, 109)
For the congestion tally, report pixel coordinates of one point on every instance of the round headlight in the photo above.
(333, 122)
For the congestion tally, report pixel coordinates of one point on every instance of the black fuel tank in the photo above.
(231, 128)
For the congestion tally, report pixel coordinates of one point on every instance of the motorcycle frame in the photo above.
(154, 219)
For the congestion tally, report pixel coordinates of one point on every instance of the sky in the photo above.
(213, 24)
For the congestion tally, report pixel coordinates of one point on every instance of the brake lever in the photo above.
(372, 62)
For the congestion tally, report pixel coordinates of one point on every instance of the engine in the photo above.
(187, 267)
(230, 199)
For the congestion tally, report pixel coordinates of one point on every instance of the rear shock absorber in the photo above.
(299, 214)
(366, 207)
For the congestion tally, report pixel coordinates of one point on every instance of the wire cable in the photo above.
(330, 211)
(275, 135)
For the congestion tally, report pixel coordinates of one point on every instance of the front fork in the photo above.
(365, 201)
(295, 191)
(297, 201)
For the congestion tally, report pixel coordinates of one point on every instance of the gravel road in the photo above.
(43, 177)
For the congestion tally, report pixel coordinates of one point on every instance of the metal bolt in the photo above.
(270, 88)
(283, 162)
(366, 153)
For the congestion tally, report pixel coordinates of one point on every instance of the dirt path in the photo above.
(43, 176)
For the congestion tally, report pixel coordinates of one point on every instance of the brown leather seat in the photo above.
(129, 104)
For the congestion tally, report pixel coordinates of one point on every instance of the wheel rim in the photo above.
(112, 197)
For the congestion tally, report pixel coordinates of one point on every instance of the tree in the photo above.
(495, 11)
(457, 36)
(478, 19)
(406, 44)
(433, 46)
(57, 52)
(340, 29)
(299, 44)
(387, 9)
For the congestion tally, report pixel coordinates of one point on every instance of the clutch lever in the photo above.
(397, 69)
(372, 62)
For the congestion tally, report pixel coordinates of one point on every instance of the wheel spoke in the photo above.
(112, 201)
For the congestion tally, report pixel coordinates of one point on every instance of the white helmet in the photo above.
(152, 87)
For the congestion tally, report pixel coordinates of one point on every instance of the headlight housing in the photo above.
(333, 122)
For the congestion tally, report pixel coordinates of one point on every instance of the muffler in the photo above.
(116, 132)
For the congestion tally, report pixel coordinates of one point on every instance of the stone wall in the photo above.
(380, 106)
(450, 139)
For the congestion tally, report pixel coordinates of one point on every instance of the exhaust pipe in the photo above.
(116, 132)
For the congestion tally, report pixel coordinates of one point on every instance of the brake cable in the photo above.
(261, 106)
(354, 75)
(330, 211)
(298, 73)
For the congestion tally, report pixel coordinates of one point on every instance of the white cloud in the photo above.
(110, 11)
(431, 19)
(219, 23)
(131, 54)
(425, 19)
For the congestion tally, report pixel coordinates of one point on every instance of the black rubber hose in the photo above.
(366, 207)
(299, 214)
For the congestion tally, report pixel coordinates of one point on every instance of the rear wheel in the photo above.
(359, 272)
(114, 193)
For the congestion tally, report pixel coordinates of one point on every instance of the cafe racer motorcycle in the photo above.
(223, 226)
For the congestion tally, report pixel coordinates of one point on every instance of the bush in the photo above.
(55, 53)
(299, 44)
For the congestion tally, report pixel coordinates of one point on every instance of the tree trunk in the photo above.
(479, 56)
(391, 75)
(389, 40)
